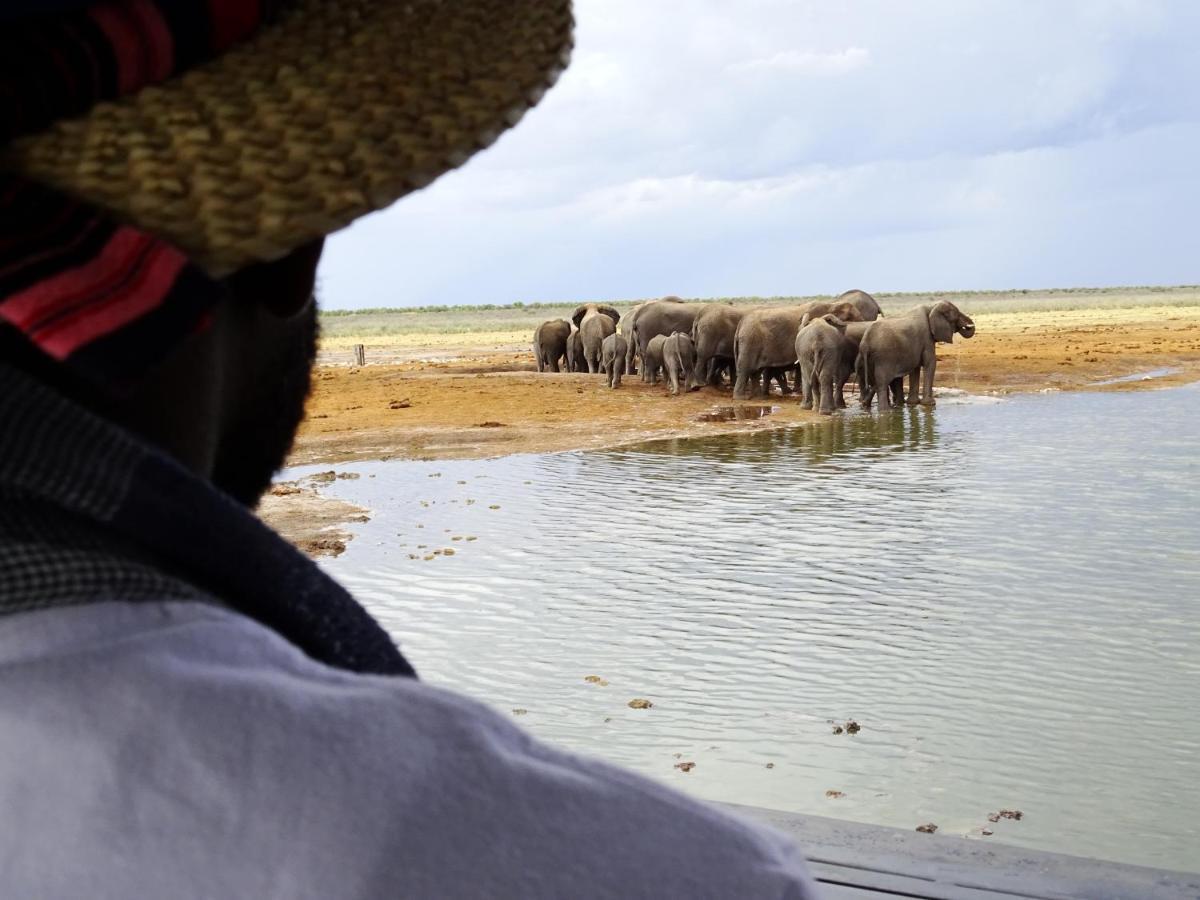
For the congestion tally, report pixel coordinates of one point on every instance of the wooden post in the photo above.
(360, 355)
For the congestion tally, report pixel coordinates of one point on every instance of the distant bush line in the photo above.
(521, 306)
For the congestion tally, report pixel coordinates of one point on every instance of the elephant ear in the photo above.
(831, 319)
(941, 322)
(611, 311)
(580, 312)
(847, 312)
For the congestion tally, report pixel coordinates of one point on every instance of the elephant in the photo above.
(678, 361)
(864, 304)
(662, 317)
(906, 345)
(852, 332)
(765, 345)
(822, 353)
(575, 360)
(612, 358)
(712, 337)
(550, 343)
(652, 358)
(595, 322)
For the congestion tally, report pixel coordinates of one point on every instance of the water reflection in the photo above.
(856, 433)
(1005, 597)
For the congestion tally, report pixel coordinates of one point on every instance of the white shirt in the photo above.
(182, 750)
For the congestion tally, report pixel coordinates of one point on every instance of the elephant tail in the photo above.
(820, 360)
(863, 370)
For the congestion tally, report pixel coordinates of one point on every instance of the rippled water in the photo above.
(1005, 596)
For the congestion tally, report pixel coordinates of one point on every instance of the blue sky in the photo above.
(707, 148)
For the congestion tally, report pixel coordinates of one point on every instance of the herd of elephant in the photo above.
(820, 343)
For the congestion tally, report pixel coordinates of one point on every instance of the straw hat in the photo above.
(338, 109)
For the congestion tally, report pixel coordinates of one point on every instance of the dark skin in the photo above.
(227, 402)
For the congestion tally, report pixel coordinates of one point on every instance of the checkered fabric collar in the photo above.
(90, 514)
(105, 299)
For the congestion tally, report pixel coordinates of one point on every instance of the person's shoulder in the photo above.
(441, 794)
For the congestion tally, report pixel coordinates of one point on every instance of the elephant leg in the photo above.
(541, 361)
(741, 384)
(826, 393)
(930, 367)
(883, 390)
(716, 372)
(806, 391)
(914, 386)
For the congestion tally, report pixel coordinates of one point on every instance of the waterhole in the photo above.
(1004, 598)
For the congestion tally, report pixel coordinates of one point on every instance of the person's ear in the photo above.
(283, 287)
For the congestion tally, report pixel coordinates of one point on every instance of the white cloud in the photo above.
(1002, 142)
(837, 63)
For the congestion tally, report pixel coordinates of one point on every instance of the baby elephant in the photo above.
(825, 364)
(652, 359)
(679, 358)
(612, 358)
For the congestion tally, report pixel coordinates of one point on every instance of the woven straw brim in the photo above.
(335, 111)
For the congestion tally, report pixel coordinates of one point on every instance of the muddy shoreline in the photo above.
(487, 401)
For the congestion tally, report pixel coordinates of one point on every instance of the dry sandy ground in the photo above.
(479, 394)
(470, 396)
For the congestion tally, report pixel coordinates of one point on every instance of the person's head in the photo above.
(160, 231)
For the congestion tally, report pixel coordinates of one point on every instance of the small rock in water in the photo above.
(1014, 814)
(449, 551)
(853, 727)
(987, 832)
(837, 729)
(927, 828)
(685, 766)
(836, 795)
(520, 712)
(494, 506)
(770, 765)
(993, 817)
(640, 703)
(595, 679)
